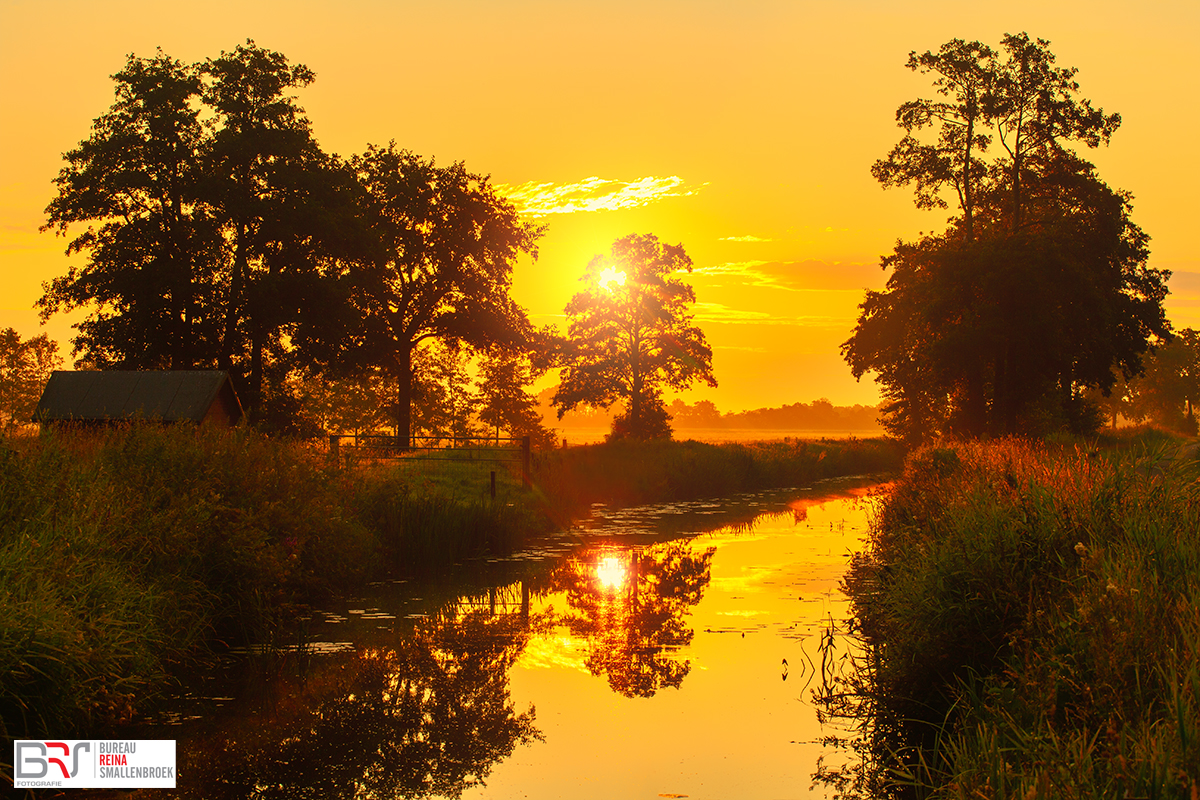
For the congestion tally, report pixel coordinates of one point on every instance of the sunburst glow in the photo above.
(611, 573)
(611, 276)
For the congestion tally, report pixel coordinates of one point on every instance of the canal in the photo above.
(661, 651)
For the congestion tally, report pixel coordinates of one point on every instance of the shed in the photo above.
(101, 397)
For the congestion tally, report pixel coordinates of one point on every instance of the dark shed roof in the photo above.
(168, 396)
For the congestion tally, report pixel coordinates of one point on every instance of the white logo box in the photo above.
(94, 763)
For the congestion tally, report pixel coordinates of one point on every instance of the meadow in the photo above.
(128, 554)
(1030, 623)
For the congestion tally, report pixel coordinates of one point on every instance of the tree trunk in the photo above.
(254, 389)
(635, 394)
(404, 395)
(236, 288)
(968, 196)
(181, 288)
(976, 402)
(1000, 391)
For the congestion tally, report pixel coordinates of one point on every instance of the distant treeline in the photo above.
(818, 415)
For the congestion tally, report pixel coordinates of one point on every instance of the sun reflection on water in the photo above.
(611, 572)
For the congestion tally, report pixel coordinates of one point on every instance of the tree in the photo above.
(153, 249)
(279, 200)
(505, 403)
(443, 247)
(1117, 403)
(1037, 291)
(211, 242)
(429, 715)
(444, 402)
(357, 406)
(964, 78)
(1035, 110)
(24, 369)
(630, 335)
(1170, 388)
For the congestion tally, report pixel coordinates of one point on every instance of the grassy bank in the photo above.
(124, 552)
(1031, 619)
(628, 472)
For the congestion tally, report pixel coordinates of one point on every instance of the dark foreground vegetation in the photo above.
(127, 554)
(1030, 618)
(124, 553)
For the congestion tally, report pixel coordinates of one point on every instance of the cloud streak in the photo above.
(593, 194)
(718, 312)
(804, 276)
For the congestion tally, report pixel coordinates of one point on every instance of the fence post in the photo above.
(493, 484)
(526, 478)
(333, 447)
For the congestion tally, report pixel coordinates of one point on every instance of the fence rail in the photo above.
(438, 448)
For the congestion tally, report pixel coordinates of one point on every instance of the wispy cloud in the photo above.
(798, 276)
(744, 239)
(593, 194)
(718, 312)
(1186, 283)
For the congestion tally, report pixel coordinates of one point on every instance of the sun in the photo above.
(611, 573)
(610, 276)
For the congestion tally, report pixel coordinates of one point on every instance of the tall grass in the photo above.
(1032, 617)
(123, 552)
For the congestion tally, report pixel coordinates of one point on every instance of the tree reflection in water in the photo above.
(631, 606)
(429, 715)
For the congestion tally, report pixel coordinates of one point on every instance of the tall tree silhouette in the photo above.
(963, 76)
(275, 194)
(443, 249)
(1039, 289)
(152, 246)
(630, 334)
(209, 242)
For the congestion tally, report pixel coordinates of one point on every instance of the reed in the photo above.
(1031, 614)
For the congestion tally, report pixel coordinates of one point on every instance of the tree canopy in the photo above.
(630, 334)
(1169, 391)
(1039, 288)
(439, 266)
(151, 276)
(25, 367)
(220, 235)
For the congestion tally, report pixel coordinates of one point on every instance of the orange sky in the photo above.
(744, 131)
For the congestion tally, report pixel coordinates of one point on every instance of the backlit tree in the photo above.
(1039, 289)
(630, 335)
(25, 366)
(152, 247)
(442, 249)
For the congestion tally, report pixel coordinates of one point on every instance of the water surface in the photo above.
(660, 651)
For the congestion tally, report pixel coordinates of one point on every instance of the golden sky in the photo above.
(744, 131)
